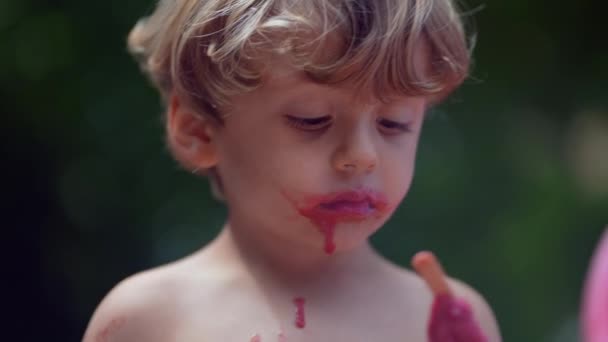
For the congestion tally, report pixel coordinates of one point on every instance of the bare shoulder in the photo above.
(150, 305)
(483, 311)
(139, 308)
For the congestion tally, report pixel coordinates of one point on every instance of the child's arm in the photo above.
(137, 309)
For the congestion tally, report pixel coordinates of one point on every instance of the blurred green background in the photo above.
(511, 189)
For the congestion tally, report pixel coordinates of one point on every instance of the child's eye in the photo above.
(390, 127)
(309, 124)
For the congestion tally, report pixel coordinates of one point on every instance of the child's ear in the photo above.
(191, 137)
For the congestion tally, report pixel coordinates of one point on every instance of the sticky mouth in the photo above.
(347, 205)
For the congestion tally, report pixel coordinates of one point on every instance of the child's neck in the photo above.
(289, 262)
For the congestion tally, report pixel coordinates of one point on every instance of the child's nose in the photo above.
(356, 155)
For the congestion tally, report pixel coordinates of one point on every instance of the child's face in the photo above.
(273, 165)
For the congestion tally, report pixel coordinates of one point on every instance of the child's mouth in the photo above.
(349, 208)
(349, 205)
(326, 211)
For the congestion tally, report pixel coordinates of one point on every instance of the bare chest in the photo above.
(254, 320)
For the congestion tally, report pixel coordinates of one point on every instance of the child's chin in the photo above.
(355, 238)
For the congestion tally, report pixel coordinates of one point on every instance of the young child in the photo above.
(305, 115)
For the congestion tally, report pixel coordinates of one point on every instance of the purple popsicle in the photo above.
(452, 319)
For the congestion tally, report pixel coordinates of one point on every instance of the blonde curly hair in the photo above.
(204, 51)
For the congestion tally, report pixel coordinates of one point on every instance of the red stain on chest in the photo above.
(300, 316)
(110, 329)
(256, 338)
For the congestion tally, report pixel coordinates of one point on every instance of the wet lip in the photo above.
(362, 207)
(348, 205)
(349, 196)
(340, 204)
(350, 202)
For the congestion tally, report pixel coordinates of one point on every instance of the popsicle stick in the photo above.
(428, 267)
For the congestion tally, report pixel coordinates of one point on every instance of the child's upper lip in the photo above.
(354, 196)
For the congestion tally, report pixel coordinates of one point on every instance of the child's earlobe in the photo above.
(201, 156)
(191, 137)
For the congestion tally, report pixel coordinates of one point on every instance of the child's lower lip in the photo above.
(348, 209)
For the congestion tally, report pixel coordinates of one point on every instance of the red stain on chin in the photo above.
(326, 211)
(300, 317)
(326, 225)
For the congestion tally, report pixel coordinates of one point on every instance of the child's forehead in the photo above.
(279, 73)
(286, 82)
